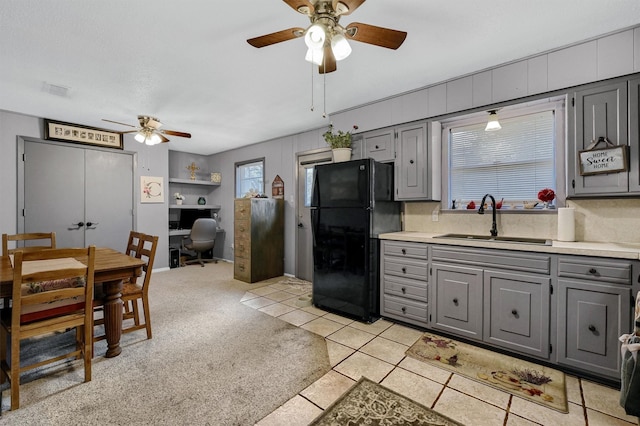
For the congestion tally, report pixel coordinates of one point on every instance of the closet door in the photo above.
(84, 195)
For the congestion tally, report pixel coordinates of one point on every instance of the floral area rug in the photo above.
(536, 383)
(368, 403)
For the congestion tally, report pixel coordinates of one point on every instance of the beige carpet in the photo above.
(542, 385)
(212, 361)
(368, 403)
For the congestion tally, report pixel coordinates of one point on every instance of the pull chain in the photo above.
(324, 87)
(312, 82)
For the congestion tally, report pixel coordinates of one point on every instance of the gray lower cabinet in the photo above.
(457, 296)
(404, 275)
(516, 311)
(593, 311)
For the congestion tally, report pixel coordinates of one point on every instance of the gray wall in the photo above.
(151, 161)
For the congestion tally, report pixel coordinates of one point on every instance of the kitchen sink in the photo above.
(498, 239)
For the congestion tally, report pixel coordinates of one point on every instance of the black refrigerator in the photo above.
(352, 204)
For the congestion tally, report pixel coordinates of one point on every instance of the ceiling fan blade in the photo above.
(345, 7)
(328, 62)
(117, 122)
(302, 6)
(384, 37)
(277, 37)
(175, 133)
(163, 139)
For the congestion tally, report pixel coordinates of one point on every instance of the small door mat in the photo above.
(368, 403)
(536, 383)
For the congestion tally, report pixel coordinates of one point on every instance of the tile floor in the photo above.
(377, 351)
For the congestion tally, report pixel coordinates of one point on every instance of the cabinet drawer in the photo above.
(241, 228)
(402, 249)
(406, 268)
(595, 269)
(526, 262)
(401, 287)
(242, 269)
(404, 309)
(242, 209)
(379, 145)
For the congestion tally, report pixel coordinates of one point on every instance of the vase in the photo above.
(341, 154)
(545, 205)
(179, 202)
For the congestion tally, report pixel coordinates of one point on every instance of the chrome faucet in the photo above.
(494, 226)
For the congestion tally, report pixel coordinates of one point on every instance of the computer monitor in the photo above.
(188, 216)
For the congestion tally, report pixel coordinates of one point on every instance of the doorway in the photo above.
(84, 195)
(304, 237)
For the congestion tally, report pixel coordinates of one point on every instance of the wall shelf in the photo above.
(193, 182)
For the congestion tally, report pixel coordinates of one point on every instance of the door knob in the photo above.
(455, 301)
(592, 328)
(514, 312)
(300, 225)
(90, 224)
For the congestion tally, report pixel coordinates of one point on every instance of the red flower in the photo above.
(546, 194)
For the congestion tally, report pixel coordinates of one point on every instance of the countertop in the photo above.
(583, 248)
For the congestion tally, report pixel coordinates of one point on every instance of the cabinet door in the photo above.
(412, 163)
(634, 136)
(598, 111)
(590, 319)
(379, 145)
(457, 306)
(516, 311)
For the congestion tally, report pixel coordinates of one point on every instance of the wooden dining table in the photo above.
(111, 268)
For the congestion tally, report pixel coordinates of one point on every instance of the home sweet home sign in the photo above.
(612, 159)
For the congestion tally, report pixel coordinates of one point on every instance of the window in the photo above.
(249, 177)
(513, 163)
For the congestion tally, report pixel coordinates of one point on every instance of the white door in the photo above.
(304, 237)
(85, 196)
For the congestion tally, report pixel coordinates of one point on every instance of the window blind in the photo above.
(513, 163)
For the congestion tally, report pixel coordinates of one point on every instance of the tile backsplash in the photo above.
(601, 220)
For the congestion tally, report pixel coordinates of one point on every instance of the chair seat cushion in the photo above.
(47, 310)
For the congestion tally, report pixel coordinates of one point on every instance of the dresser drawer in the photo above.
(241, 228)
(404, 309)
(242, 269)
(610, 271)
(404, 249)
(242, 209)
(401, 287)
(406, 268)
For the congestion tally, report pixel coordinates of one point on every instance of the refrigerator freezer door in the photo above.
(344, 184)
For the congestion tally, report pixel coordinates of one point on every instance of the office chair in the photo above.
(203, 238)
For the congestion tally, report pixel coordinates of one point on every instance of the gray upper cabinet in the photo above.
(379, 145)
(634, 136)
(598, 111)
(412, 163)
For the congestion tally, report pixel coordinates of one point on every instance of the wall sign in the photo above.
(612, 159)
(277, 188)
(68, 132)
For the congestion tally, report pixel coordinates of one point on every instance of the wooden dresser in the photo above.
(258, 231)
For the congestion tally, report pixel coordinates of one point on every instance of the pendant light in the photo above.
(493, 123)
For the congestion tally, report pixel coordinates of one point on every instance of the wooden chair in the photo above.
(142, 246)
(52, 291)
(34, 236)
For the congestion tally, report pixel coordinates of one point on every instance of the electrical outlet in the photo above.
(434, 215)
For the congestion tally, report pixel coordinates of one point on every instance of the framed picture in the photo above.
(68, 132)
(151, 189)
(605, 160)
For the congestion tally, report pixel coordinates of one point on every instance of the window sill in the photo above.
(520, 210)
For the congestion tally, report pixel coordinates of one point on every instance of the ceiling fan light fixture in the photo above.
(140, 137)
(340, 47)
(315, 36)
(493, 123)
(314, 56)
(153, 139)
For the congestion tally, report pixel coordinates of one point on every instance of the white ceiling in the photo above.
(188, 63)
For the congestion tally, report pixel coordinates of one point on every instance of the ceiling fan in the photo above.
(325, 37)
(149, 131)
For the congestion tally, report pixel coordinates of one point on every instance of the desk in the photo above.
(111, 267)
